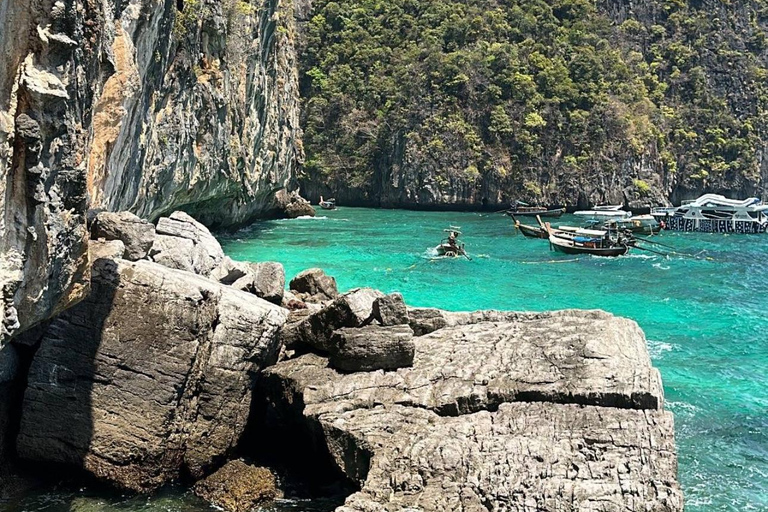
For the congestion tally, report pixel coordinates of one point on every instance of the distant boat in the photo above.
(450, 246)
(713, 213)
(330, 204)
(606, 212)
(640, 224)
(521, 209)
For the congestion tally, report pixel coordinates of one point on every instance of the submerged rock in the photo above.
(372, 347)
(149, 376)
(314, 282)
(560, 411)
(136, 234)
(238, 487)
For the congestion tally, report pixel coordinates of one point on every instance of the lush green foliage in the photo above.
(521, 87)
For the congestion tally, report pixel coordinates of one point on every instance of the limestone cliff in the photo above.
(142, 105)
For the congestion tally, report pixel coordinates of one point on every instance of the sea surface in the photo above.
(704, 310)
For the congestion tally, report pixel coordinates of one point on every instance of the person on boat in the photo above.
(453, 241)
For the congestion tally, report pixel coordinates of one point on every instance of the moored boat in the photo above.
(640, 224)
(713, 213)
(330, 204)
(529, 231)
(522, 209)
(604, 213)
(588, 241)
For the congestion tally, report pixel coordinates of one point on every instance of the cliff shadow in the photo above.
(280, 437)
(55, 422)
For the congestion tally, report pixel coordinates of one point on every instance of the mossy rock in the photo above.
(238, 487)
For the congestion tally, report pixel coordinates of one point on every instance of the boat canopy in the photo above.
(715, 200)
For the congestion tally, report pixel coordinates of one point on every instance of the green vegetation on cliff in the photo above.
(485, 100)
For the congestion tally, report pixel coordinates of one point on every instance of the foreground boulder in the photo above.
(238, 487)
(315, 283)
(353, 309)
(136, 234)
(555, 411)
(185, 244)
(265, 279)
(391, 310)
(372, 347)
(149, 376)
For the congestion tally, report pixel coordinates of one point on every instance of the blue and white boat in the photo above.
(713, 213)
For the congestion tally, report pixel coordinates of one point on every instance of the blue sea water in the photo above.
(705, 315)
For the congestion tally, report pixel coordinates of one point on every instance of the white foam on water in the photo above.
(657, 348)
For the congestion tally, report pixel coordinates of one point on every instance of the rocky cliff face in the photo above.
(141, 105)
(147, 106)
(198, 111)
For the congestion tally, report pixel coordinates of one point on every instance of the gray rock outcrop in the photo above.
(552, 411)
(148, 376)
(352, 309)
(185, 244)
(136, 234)
(315, 283)
(391, 310)
(372, 347)
(269, 281)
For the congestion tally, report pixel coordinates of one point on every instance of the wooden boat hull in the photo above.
(554, 214)
(568, 246)
(448, 251)
(327, 206)
(532, 232)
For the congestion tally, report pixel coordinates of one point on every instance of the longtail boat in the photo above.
(450, 246)
(330, 204)
(588, 241)
(522, 209)
(529, 231)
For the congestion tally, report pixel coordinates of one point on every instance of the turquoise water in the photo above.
(705, 317)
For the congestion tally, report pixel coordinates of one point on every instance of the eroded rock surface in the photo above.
(373, 347)
(551, 411)
(238, 487)
(136, 234)
(523, 457)
(185, 244)
(352, 309)
(149, 376)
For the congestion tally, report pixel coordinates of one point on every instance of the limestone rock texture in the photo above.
(135, 233)
(148, 106)
(238, 487)
(552, 412)
(149, 378)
